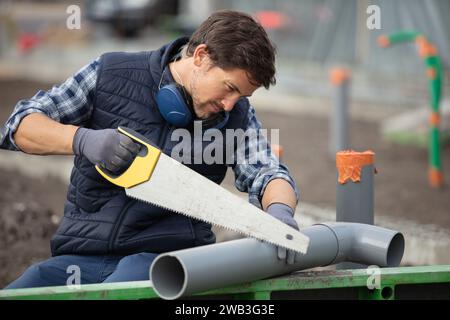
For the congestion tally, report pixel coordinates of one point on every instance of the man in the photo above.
(109, 236)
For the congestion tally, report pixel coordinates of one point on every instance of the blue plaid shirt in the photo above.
(71, 103)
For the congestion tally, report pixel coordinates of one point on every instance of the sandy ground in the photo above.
(30, 207)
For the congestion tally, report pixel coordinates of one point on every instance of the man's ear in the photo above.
(200, 55)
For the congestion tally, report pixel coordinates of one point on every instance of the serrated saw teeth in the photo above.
(261, 238)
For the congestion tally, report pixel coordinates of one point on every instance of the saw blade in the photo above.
(180, 189)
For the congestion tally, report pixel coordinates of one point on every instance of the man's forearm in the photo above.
(279, 190)
(38, 134)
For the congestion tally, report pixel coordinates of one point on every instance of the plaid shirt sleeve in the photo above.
(68, 103)
(253, 176)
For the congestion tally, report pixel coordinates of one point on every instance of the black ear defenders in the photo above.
(176, 107)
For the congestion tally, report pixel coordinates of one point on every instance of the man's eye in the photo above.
(230, 89)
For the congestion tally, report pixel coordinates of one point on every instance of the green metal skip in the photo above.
(419, 282)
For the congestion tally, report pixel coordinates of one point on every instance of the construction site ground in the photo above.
(32, 199)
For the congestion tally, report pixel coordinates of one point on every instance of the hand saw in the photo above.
(158, 179)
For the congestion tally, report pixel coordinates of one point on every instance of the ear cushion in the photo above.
(173, 107)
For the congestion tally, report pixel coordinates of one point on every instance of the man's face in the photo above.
(214, 89)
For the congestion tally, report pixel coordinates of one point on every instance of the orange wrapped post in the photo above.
(354, 192)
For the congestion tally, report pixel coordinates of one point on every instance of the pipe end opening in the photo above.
(395, 250)
(168, 277)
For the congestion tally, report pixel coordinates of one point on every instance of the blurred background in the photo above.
(388, 97)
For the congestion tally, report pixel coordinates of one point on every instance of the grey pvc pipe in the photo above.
(339, 137)
(354, 203)
(184, 272)
(354, 200)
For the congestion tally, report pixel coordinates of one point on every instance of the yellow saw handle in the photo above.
(142, 166)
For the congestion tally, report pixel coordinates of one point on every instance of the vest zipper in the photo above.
(117, 225)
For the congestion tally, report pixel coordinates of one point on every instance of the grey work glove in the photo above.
(285, 214)
(108, 148)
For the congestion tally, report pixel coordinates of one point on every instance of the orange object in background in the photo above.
(425, 48)
(434, 119)
(278, 151)
(383, 41)
(435, 178)
(349, 164)
(27, 41)
(431, 73)
(339, 75)
(271, 19)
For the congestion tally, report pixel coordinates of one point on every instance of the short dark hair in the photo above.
(235, 40)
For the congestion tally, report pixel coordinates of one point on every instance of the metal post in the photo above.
(340, 80)
(354, 192)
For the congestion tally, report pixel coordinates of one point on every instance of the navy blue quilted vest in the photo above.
(98, 217)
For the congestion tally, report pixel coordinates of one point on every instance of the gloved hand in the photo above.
(109, 148)
(285, 214)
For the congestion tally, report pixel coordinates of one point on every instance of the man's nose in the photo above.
(228, 103)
